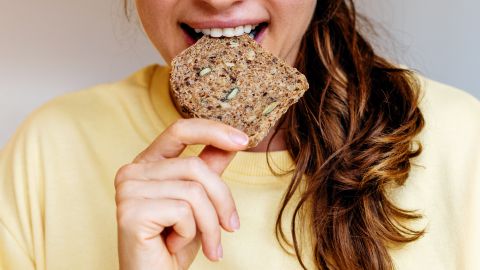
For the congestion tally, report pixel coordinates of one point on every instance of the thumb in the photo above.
(216, 159)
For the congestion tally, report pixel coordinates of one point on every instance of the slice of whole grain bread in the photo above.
(235, 81)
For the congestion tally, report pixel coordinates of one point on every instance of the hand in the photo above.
(167, 205)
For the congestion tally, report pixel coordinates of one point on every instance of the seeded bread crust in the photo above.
(235, 81)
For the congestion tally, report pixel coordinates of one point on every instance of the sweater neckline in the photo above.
(246, 167)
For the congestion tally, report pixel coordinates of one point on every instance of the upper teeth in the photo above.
(227, 32)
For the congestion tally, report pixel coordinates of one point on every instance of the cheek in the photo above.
(150, 11)
(290, 22)
(158, 21)
(294, 15)
(296, 9)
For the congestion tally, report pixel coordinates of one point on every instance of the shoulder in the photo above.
(102, 96)
(452, 127)
(448, 103)
(444, 181)
(450, 113)
(93, 104)
(450, 159)
(100, 113)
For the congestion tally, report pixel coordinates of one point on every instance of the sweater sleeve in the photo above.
(21, 201)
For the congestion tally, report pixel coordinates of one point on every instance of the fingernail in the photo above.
(220, 252)
(239, 137)
(235, 221)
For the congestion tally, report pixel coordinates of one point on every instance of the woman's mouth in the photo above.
(254, 31)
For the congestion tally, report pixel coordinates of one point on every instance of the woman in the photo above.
(366, 171)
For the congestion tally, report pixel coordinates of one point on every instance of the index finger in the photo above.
(183, 132)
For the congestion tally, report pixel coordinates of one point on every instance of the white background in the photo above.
(50, 47)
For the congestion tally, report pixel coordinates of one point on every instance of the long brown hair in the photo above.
(351, 137)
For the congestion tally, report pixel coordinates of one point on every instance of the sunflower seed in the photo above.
(250, 55)
(251, 118)
(233, 44)
(225, 105)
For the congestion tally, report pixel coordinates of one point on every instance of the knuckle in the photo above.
(178, 126)
(224, 190)
(126, 213)
(124, 190)
(195, 164)
(213, 231)
(195, 191)
(226, 196)
(183, 209)
(123, 173)
(131, 216)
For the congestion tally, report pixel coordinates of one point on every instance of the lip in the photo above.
(231, 23)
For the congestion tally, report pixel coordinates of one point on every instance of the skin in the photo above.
(167, 207)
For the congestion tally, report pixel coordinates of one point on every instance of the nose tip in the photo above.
(220, 4)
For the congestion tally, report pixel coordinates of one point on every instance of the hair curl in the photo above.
(351, 137)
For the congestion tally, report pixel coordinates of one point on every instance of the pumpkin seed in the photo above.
(270, 108)
(233, 93)
(204, 71)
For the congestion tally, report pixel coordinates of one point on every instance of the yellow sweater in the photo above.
(57, 208)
